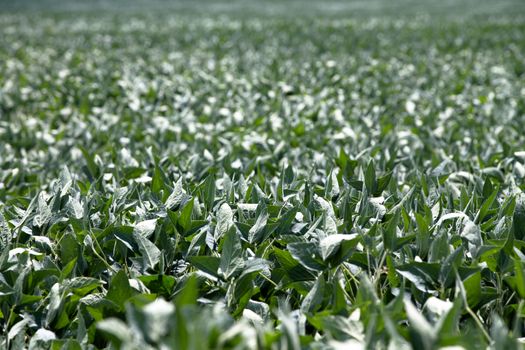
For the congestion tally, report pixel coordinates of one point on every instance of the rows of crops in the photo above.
(228, 181)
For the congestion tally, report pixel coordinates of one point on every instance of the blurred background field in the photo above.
(287, 8)
(281, 174)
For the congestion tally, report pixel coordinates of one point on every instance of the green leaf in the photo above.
(17, 328)
(285, 221)
(422, 334)
(472, 285)
(145, 228)
(487, 204)
(501, 338)
(154, 320)
(390, 232)
(209, 192)
(370, 178)
(291, 267)
(382, 183)
(308, 254)
(158, 180)
(232, 261)
(472, 233)
(257, 230)
(119, 289)
(159, 284)
(449, 323)
(116, 330)
(208, 264)
(331, 244)
(519, 270)
(189, 292)
(240, 291)
(391, 273)
(82, 285)
(314, 299)
(185, 216)
(178, 196)
(55, 298)
(149, 251)
(91, 165)
(41, 340)
(518, 218)
(423, 275)
(224, 220)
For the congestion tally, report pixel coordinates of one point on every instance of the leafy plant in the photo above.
(241, 178)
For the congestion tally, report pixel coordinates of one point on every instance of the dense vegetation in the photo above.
(339, 177)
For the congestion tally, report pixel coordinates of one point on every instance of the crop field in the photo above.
(262, 175)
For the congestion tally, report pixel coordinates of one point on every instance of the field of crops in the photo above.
(262, 175)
